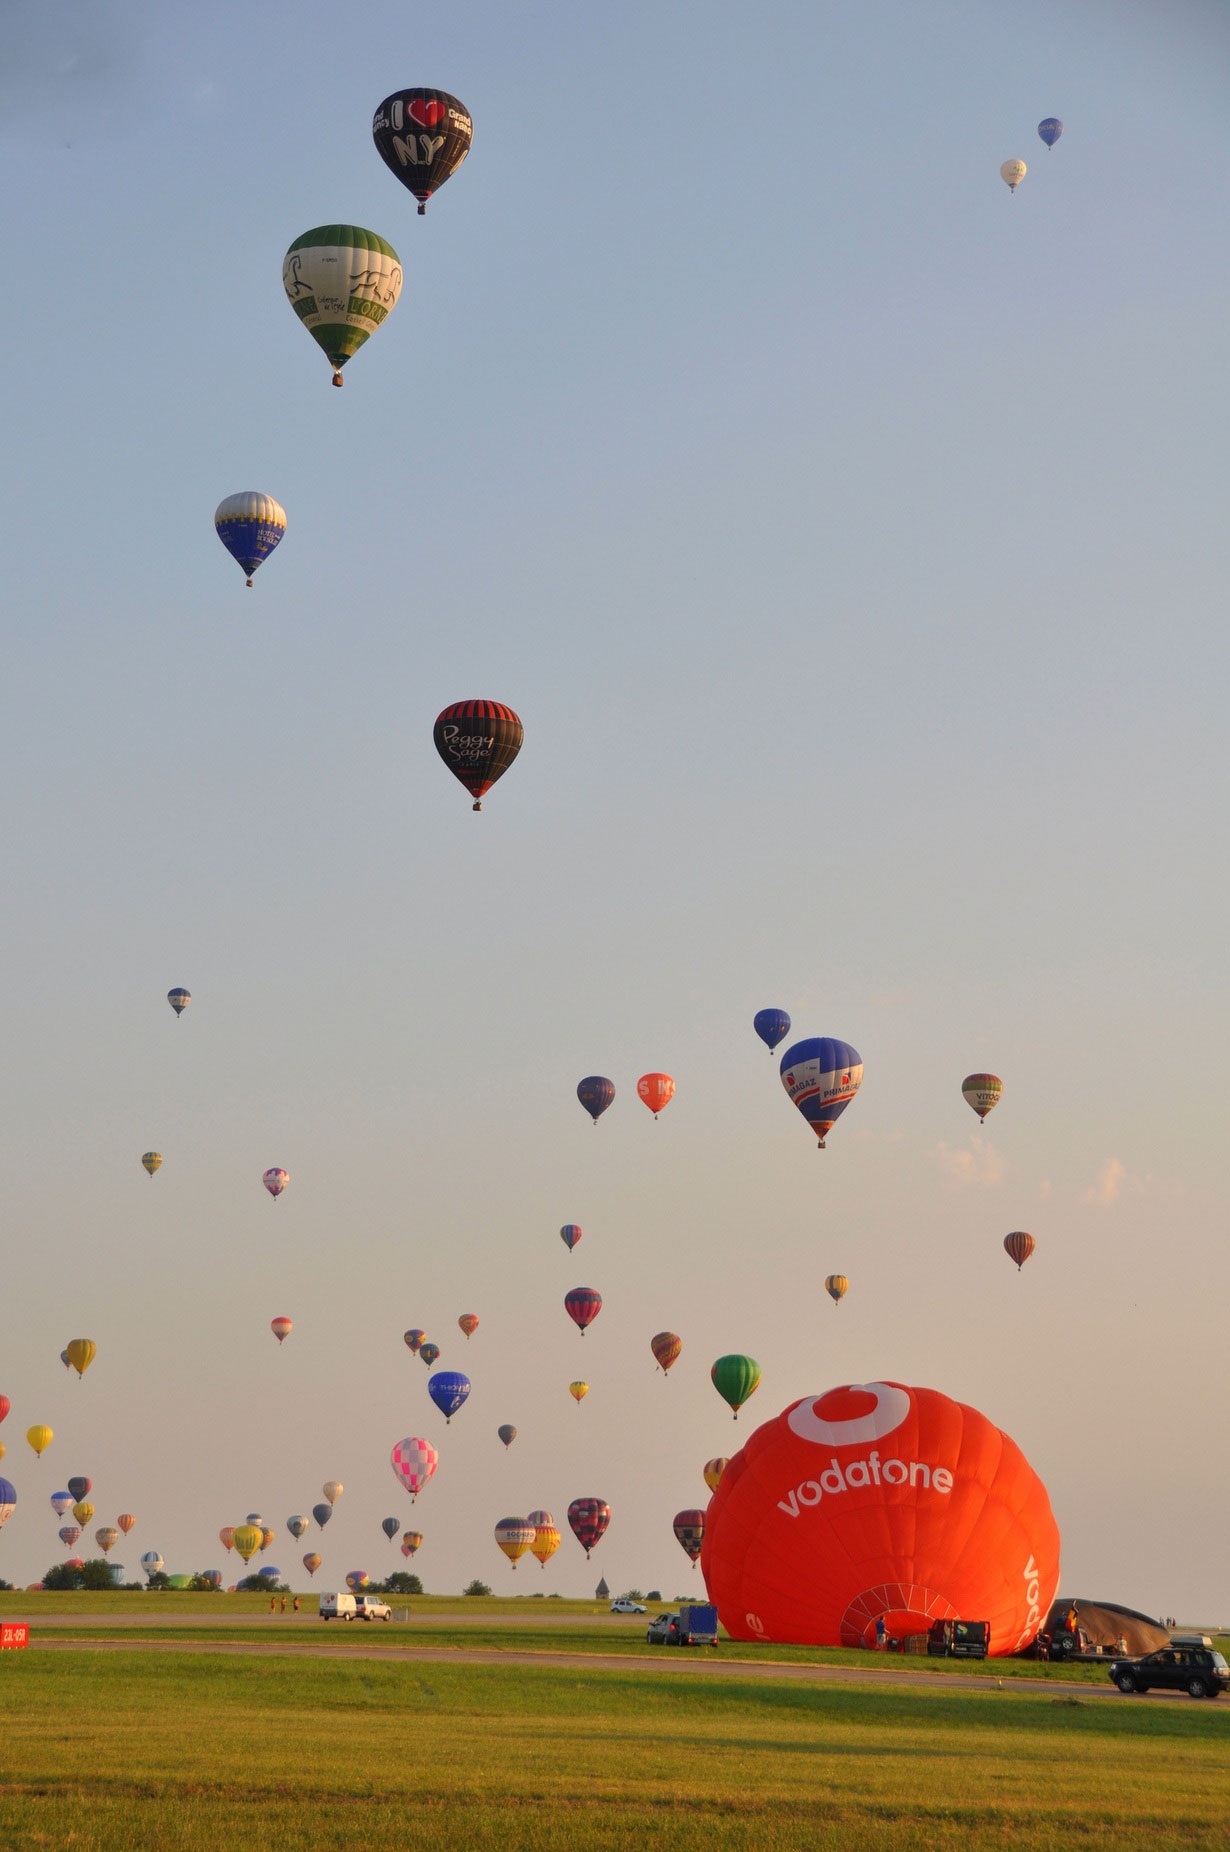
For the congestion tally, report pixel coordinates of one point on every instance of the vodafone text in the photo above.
(871, 1471)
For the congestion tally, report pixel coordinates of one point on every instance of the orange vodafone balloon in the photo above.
(873, 1502)
(656, 1090)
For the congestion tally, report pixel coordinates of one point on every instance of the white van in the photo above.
(337, 1607)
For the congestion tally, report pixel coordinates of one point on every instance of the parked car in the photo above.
(959, 1639)
(370, 1607)
(621, 1605)
(692, 1626)
(658, 1632)
(337, 1607)
(1194, 1669)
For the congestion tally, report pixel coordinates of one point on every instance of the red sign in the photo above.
(14, 1633)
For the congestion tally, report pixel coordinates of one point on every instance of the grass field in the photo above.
(157, 1751)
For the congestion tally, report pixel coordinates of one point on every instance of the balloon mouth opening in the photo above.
(904, 1608)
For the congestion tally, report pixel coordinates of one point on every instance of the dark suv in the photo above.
(1195, 1669)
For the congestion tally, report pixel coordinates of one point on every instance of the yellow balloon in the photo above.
(578, 1390)
(81, 1353)
(3, 1449)
(40, 1438)
(1012, 173)
(247, 1540)
(83, 1511)
(152, 1161)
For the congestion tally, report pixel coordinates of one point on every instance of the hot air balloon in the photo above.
(546, 1536)
(179, 999)
(254, 1517)
(422, 136)
(357, 1579)
(213, 1577)
(249, 525)
(390, 1527)
(1019, 1246)
(226, 1536)
(836, 1286)
(666, 1348)
(478, 741)
(411, 1541)
(879, 1502)
(982, 1091)
(106, 1539)
(152, 1161)
(595, 1093)
(3, 1449)
(81, 1354)
(8, 1500)
(713, 1470)
(588, 1518)
(62, 1502)
(578, 1391)
(1050, 129)
(332, 1489)
(448, 1389)
(690, 1532)
(342, 282)
(66, 1360)
(68, 1535)
(247, 1539)
(772, 1026)
(83, 1511)
(126, 1520)
(40, 1437)
(821, 1076)
(414, 1338)
(267, 1536)
(406, 1551)
(414, 1461)
(281, 1328)
(322, 1513)
(582, 1305)
(429, 1353)
(507, 1434)
(469, 1323)
(80, 1486)
(312, 1562)
(5, 1406)
(152, 1564)
(735, 1378)
(1012, 173)
(275, 1181)
(657, 1091)
(570, 1234)
(514, 1536)
(297, 1525)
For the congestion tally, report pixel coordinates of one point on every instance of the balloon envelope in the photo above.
(546, 1540)
(152, 1563)
(507, 1434)
(588, 1519)
(247, 1540)
(332, 1490)
(772, 1026)
(342, 282)
(836, 1286)
(578, 1391)
(80, 1486)
(275, 1181)
(226, 1536)
(582, 1305)
(8, 1500)
(312, 1562)
(595, 1093)
(821, 1076)
(982, 1092)
(179, 999)
(152, 1161)
(422, 136)
(478, 741)
(1019, 1246)
(1012, 173)
(690, 1531)
(68, 1535)
(713, 1470)
(666, 1347)
(429, 1353)
(126, 1520)
(40, 1437)
(735, 1378)
(414, 1338)
(322, 1513)
(1050, 129)
(448, 1389)
(281, 1328)
(62, 1502)
(106, 1539)
(83, 1511)
(249, 525)
(878, 1501)
(297, 1525)
(410, 1541)
(570, 1234)
(657, 1090)
(357, 1579)
(469, 1323)
(81, 1354)
(390, 1527)
(414, 1461)
(514, 1536)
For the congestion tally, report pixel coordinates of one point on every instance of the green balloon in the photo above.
(735, 1378)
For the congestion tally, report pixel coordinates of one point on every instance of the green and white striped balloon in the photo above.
(341, 282)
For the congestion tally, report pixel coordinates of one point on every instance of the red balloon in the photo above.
(1018, 1246)
(666, 1347)
(876, 1501)
(589, 1518)
(582, 1305)
(690, 1530)
(5, 1406)
(657, 1090)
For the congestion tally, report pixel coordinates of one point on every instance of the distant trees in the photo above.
(476, 1588)
(94, 1574)
(399, 1583)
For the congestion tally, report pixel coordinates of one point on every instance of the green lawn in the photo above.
(153, 1751)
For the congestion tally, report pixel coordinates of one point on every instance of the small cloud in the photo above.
(969, 1165)
(1109, 1185)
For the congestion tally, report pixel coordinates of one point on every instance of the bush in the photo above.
(160, 1580)
(655, 1594)
(632, 1594)
(4, 1584)
(262, 1586)
(399, 1583)
(476, 1588)
(94, 1574)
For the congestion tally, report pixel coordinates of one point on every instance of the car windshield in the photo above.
(1220, 1663)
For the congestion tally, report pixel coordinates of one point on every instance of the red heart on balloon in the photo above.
(426, 114)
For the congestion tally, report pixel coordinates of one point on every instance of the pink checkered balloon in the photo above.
(414, 1461)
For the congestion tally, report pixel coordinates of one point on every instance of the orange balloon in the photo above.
(281, 1328)
(878, 1502)
(226, 1536)
(126, 1521)
(656, 1090)
(469, 1323)
(1018, 1246)
(666, 1348)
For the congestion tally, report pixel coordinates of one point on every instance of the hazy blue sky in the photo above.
(850, 536)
